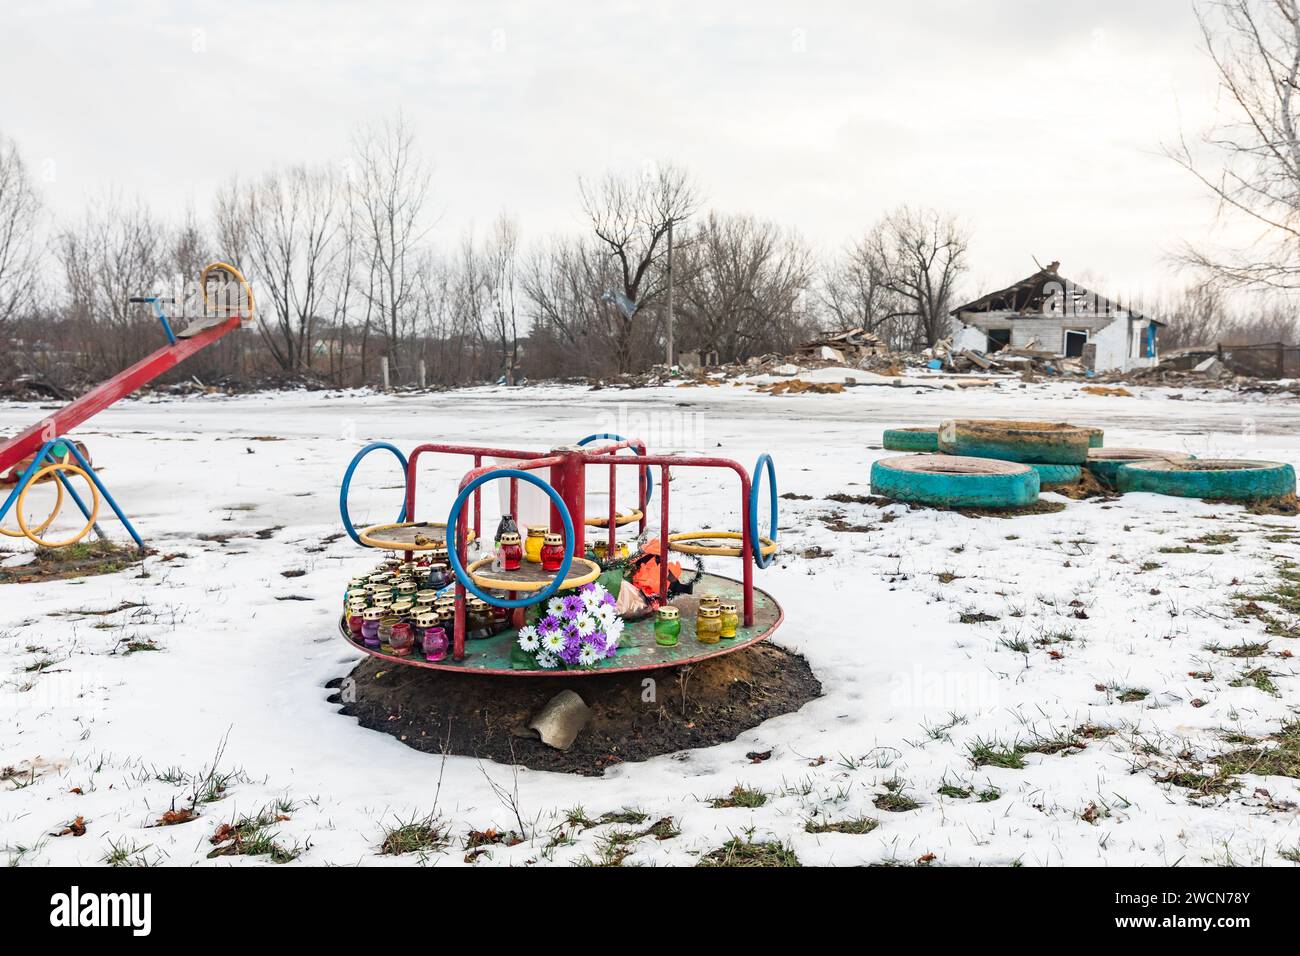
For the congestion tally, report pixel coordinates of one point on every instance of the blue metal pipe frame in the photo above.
(38, 462)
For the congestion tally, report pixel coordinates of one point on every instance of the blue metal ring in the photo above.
(649, 474)
(347, 483)
(453, 551)
(764, 459)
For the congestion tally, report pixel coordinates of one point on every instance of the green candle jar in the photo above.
(668, 626)
(708, 625)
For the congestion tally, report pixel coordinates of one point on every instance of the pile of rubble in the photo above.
(1025, 361)
(845, 346)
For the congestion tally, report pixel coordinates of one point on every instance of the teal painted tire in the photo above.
(1105, 463)
(1096, 438)
(1217, 479)
(1057, 476)
(1037, 443)
(924, 440)
(948, 481)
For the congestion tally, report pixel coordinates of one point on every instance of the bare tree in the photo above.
(391, 188)
(630, 216)
(20, 209)
(923, 253)
(286, 229)
(573, 329)
(118, 250)
(854, 294)
(744, 285)
(1254, 46)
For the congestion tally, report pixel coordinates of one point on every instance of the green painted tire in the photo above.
(912, 439)
(1057, 476)
(1218, 479)
(1096, 438)
(1038, 443)
(1105, 463)
(955, 482)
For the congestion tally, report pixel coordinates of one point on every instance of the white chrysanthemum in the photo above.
(587, 656)
(605, 614)
(555, 606)
(586, 624)
(592, 599)
(613, 631)
(528, 639)
(548, 661)
(553, 642)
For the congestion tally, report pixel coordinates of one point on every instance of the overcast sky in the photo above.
(1038, 122)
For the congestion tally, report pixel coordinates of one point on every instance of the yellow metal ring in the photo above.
(58, 503)
(767, 546)
(224, 267)
(370, 537)
(602, 521)
(62, 468)
(501, 584)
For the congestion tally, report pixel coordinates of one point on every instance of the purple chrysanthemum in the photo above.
(573, 606)
(549, 623)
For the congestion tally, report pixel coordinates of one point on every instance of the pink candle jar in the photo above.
(434, 643)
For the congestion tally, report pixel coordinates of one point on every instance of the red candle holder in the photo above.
(553, 552)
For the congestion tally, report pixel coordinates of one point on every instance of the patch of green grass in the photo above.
(895, 801)
(127, 853)
(989, 795)
(740, 796)
(1180, 549)
(1261, 678)
(992, 753)
(1207, 785)
(137, 647)
(954, 792)
(1291, 855)
(1129, 695)
(856, 825)
(612, 849)
(1019, 645)
(252, 836)
(976, 617)
(746, 853)
(1243, 650)
(1280, 760)
(1214, 539)
(424, 835)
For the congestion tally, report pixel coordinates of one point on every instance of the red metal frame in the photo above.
(105, 394)
(568, 465)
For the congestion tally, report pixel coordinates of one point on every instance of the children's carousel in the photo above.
(571, 594)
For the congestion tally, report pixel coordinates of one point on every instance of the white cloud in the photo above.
(1039, 124)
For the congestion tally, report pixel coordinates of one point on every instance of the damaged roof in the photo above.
(1046, 292)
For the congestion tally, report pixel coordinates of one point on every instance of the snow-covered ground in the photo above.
(1090, 608)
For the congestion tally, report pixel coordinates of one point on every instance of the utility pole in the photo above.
(669, 349)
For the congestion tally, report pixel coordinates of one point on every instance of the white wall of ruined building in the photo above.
(1117, 337)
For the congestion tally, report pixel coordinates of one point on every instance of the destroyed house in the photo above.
(1048, 313)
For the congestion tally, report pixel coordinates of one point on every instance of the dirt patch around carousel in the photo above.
(700, 705)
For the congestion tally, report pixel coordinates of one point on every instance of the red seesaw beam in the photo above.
(105, 394)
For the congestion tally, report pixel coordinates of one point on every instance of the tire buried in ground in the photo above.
(1105, 463)
(924, 440)
(948, 481)
(1038, 443)
(699, 705)
(1217, 479)
(1057, 476)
